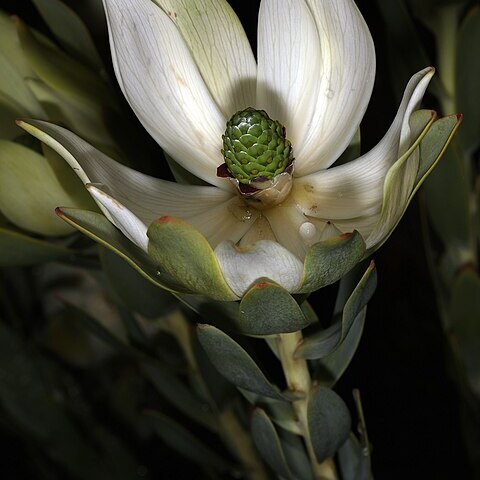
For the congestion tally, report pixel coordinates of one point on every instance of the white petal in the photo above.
(242, 266)
(161, 82)
(260, 230)
(355, 189)
(286, 221)
(220, 48)
(288, 65)
(230, 220)
(346, 82)
(148, 197)
(123, 218)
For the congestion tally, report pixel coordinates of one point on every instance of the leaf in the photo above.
(17, 249)
(328, 261)
(268, 309)
(332, 367)
(329, 422)
(268, 443)
(405, 47)
(234, 363)
(322, 343)
(185, 254)
(98, 228)
(451, 219)
(61, 72)
(132, 289)
(297, 458)
(465, 330)
(30, 191)
(467, 73)
(354, 464)
(70, 31)
(181, 440)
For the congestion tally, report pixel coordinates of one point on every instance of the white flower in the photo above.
(185, 67)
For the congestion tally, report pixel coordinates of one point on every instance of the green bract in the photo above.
(254, 146)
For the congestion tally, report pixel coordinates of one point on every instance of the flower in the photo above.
(186, 67)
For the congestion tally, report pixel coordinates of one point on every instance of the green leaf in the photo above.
(434, 145)
(328, 422)
(132, 289)
(400, 181)
(234, 363)
(268, 443)
(17, 249)
(332, 367)
(451, 219)
(179, 395)
(406, 52)
(354, 464)
(98, 228)
(467, 74)
(465, 330)
(297, 458)
(30, 191)
(322, 343)
(185, 254)
(86, 119)
(181, 440)
(69, 30)
(61, 72)
(268, 309)
(328, 261)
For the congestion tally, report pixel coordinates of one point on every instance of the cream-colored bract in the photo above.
(185, 67)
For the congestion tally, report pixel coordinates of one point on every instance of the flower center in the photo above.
(258, 158)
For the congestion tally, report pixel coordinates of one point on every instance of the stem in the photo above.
(298, 380)
(229, 427)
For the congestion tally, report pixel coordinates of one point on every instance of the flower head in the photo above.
(188, 72)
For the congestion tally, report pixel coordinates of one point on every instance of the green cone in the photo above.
(254, 146)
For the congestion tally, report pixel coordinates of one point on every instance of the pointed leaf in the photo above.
(332, 367)
(234, 363)
(69, 30)
(98, 228)
(329, 422)
(132, 289)
(451, 219)
(61, 72)
(328, 261)
(185, 254)
(30, 191)
(268, 444)
(268, 309)
(17, 249)
(322, 343)
(354, 464)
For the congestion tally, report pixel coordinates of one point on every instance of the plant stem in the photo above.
(298, 380)
(229, 427)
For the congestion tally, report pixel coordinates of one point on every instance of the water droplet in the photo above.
(329, 93)
(365, 451)
(158, 273)
(307, 231)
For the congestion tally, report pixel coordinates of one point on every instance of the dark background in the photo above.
(410, 402)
